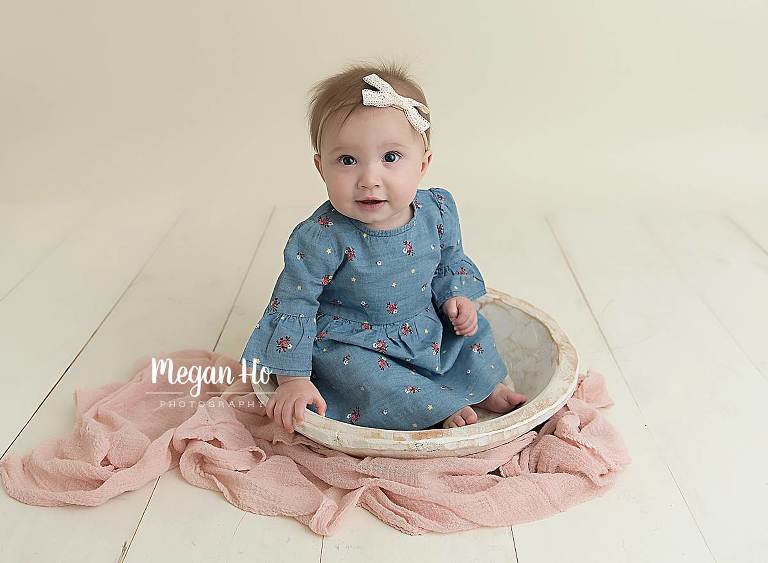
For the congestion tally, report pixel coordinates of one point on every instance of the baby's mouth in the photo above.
(371, 203)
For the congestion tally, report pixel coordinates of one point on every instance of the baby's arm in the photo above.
(456, 274)
(283, 339)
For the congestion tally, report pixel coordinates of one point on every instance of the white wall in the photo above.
(543, 103)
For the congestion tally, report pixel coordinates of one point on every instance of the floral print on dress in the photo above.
(354, 416)
(283, 343)
(349, 291)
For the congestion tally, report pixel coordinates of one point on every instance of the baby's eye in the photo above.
(344, 159)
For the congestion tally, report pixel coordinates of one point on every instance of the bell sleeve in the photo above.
(283, 339)
(456, 274)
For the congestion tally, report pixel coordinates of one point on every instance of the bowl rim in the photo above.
(335, 433)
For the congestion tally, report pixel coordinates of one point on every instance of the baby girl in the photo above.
(371, 321)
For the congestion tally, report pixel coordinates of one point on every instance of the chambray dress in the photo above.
(358, 311)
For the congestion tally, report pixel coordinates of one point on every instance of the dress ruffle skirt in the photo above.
(402, 388)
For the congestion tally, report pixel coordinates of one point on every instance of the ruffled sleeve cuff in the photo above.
(282, 343)
(460, 278)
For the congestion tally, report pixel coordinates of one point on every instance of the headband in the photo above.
(386, 96)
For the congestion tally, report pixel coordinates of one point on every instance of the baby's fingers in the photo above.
(465, 313)
(319, 402)
(287, 416)
(298, 409)
(459, 327)
(271, 407)
(277, 413)
(466, 323)
(283, 412)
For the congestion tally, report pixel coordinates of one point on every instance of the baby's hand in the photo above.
(462, 313)
(291, 398)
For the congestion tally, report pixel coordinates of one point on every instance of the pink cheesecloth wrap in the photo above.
(124, 438)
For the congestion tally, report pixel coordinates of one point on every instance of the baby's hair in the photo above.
(344, 90)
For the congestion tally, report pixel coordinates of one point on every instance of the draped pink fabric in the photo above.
(127, 434)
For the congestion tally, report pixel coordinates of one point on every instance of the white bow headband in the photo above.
(388, 97)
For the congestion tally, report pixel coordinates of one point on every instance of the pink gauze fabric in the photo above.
(127, 435)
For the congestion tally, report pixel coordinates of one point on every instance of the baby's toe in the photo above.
(452, 421)
(515, 399)
(465, 416)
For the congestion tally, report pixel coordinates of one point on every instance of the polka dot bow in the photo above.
(386, 96)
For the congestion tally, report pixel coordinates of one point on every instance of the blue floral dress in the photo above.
(358, 311)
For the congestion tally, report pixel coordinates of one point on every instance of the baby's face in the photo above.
(377, 154)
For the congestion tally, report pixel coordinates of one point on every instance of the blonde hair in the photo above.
(344, 90)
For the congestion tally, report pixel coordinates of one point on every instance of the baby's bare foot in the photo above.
(466, 415)
(502, 400)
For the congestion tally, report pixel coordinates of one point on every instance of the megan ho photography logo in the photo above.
(197, 375)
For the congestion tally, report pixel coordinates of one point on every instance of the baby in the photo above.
(371, 321)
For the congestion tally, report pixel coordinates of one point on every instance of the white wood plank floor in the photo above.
(669, 305)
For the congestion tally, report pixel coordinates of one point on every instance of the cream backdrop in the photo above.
(537, 103)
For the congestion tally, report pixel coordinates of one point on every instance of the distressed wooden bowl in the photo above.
(542, 364)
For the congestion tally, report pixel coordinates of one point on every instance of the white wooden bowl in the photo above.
(542, 364)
